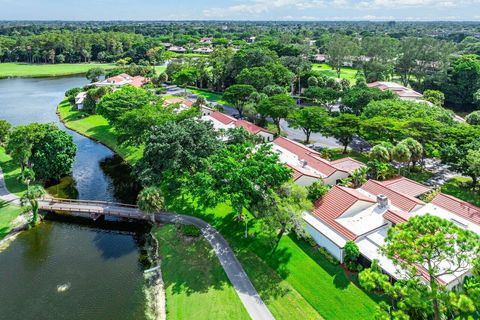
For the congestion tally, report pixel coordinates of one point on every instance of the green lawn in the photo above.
(47, 70)
(8, 213)
(97, 128)
(160, 69)
(295, 281)
(195, 283)
(325, 69)
(11, 171)
(456, 187)
(211, 96)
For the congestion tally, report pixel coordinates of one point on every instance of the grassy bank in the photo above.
(195, 284)
(11, 172)
(8, 213)
(25, 70)
(97, 128)
(295, 281)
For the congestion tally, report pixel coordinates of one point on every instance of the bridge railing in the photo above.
(90, 202)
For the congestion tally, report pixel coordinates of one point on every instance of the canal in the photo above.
(62, 270)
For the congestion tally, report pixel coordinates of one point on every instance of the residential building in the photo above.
(206, 40)
(123, 80)
(266, 135)
(308, 166)
(203, 50)
(364, 216)
(402, 91)
(177, 49)
(79, 99)
(182, 103)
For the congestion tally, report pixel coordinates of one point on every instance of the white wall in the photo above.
(337, 175)
(267, 137)
(323, 241)
(306, 181)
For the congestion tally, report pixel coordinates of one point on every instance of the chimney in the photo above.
(382, 201)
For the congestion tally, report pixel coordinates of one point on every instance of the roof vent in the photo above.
(382, 201)
(304, 163)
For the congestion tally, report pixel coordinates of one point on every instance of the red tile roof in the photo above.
(250, 127)
(299, 172)
(347, 164)
(303, 153)
(400, 90)
(396, 216)
(402, 201)
(138, 81)
(186, 102)
(406, 186)
(223, 118)
(459, 207)
(335, 203)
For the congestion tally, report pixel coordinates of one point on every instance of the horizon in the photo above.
(243, 10)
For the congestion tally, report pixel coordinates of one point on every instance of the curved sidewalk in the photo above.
(250, 298)
(248, 295)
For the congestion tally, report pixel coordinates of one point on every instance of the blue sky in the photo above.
(309, 10)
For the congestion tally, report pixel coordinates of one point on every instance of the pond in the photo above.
(63, 270)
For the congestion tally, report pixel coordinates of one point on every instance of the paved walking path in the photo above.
(238, 277)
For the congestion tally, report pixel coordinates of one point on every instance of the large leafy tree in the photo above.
(276, 107)
(462, 158)
(462, 82)
(134, 125)
(357, 98)
(309, 119)
(433, 246)
(241, 174)
(44, 148)
(53, 156)
(94, 74)
(380, 53)
(283, 212)
(239, 95)
(341, 49)
(116, 103)
(174, 149)
(344, 128)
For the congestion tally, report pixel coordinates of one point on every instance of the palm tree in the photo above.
(26, 177)
(31, 197)
(151, 200)
(359, 176)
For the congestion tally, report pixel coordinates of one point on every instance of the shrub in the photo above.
(328, 256)
(317, 190)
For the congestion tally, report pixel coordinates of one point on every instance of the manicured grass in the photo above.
(160, 69)
(195, 283)
(295, 281)
(8, 213)
(325, 69)
(458, 187)
(210, 96)
(11, 172)
(418, 175)
(8, 70)
(97, 128)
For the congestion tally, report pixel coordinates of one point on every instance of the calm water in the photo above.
(97, 268)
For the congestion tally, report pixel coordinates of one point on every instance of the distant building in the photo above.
(183, 104)
(319, 58)
(79, 99)
(204, 50)
(402, 91)
(123, 80)
(207, 40)
(177, 49)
